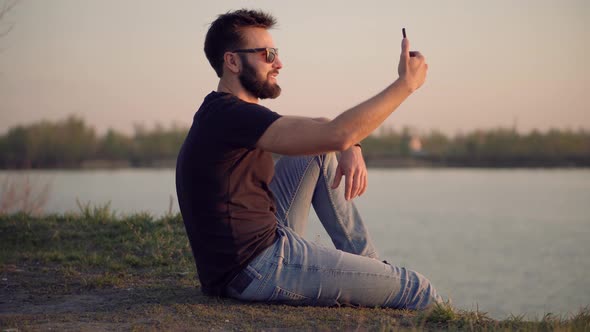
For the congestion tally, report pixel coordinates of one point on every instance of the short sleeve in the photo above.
(242, 124)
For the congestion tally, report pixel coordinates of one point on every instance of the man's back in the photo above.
(222, 184)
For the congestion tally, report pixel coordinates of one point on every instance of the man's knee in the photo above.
(327, 159)
(425, 295)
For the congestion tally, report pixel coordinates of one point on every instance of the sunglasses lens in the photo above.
(270, 55)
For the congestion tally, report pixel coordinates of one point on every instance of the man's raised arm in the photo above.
(298, 135)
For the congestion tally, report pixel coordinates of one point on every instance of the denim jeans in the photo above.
(296, 271)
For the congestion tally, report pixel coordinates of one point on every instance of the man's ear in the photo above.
(232, 62)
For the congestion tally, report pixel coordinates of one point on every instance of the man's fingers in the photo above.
(348, 187)
(364, 184)
(406, 47)
(337, 178)
(354, 185)
(357, 184)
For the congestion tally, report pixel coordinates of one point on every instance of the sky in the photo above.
(118, 64)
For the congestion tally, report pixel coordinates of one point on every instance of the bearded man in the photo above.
(245, 216)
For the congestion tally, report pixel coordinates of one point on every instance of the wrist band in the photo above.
(359, 145)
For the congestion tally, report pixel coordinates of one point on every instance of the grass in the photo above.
(96, 270)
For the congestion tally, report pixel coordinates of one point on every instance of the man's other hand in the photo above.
(352, 167)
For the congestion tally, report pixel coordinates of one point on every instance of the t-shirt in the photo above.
(222, 182)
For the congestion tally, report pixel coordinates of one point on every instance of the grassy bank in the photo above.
(94, 270)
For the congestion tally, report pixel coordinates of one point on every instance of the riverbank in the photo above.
(371, 162)
(95, 270)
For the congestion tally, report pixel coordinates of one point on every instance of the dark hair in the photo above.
(224, 33)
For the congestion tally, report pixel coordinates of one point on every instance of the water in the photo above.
(505, 241)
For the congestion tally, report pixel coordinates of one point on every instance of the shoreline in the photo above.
(371, 162)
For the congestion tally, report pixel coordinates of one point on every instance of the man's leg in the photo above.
(300, 182)
(298, 272)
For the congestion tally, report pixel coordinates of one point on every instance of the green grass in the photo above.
(97, 270)
(96, 239)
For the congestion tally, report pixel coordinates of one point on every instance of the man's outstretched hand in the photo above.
(352, 167)
(412, 67)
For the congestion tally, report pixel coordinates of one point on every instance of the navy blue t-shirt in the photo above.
(222, 182)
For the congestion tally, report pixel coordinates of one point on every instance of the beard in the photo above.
(259, 89)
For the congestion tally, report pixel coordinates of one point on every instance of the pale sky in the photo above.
(120, 63)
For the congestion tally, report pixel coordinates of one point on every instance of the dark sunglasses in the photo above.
(271, 53)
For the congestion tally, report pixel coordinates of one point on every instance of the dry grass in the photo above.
(23, 194)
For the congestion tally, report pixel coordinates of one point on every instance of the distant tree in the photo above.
(5, 7)
(385, 144)
(65, 143)
(70, 142)
(436, 144)
(115, 146)
(157, 144)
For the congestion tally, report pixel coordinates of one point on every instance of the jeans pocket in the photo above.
(280, 295)
(252, 272)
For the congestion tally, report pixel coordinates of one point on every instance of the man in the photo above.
(245, 216)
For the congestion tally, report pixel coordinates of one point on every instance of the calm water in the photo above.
(507, 241)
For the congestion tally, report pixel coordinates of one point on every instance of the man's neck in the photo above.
(235, 88)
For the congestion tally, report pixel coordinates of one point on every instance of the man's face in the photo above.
(260, 87)
(258, 77)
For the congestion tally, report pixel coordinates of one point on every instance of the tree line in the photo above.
(71, 143)
(499, 147)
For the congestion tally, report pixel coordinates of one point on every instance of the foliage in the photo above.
(5, 7)
(157, 145)
(506, 147)
(72, 144)
(499, 147)
(63, 144)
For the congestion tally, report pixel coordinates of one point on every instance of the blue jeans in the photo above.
(298, 272)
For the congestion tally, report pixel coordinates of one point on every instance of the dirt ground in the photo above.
(40, 298)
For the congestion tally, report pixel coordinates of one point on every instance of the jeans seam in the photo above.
(345, 231)
(264, 280)
(296, 191)
(321, 269)
(278, 290)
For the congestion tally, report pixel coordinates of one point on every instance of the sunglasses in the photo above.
(271, 53)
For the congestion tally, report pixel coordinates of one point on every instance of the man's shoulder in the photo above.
(227, 108)
(228, 102)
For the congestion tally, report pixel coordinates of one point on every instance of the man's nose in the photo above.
(277, 64)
